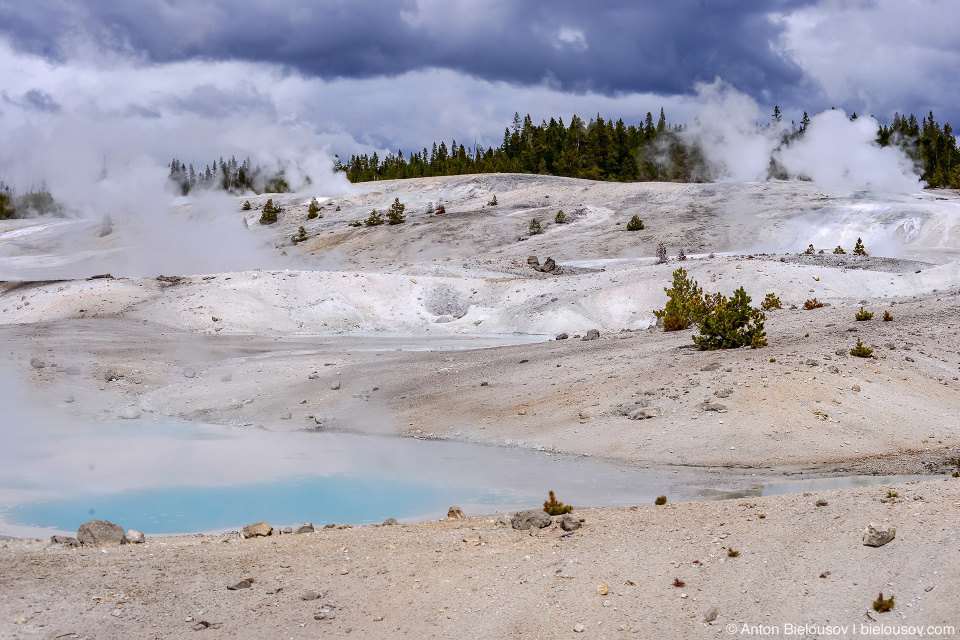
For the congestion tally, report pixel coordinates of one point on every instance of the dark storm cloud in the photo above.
(609, 47)
(35, 100)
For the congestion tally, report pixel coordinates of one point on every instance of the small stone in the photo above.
(310, 595)
(389, 522)
(723, 393)
(226, 378)
(710, 614)
(378, 618)
(135, 537)
(287, 530)
(592, 334)
(522, 412)
(257, 529)
(313, 376)
(67, 541)
(855, 387)
(37, 363)
(306, 527)
(821, 502)
(455, 513)
(484, 384)
(603, 589)
(569, 523)
(335, 386)
(69, 400)
(19, 620)
(129, 413)
(579, 628)
(562, 336)
(189, 372)
(242, 584)
(710, 366)
(607, 603)
(877, 537)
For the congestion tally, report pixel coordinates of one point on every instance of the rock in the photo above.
(444, 319)
(533, 262)
(189, 372)
(503, 521)
(226, 378)
(712, 406)
(710, 614)
(579, 628)
(562, 336)
(592, 334)
(549, 266)
(286, 415)
(876, 537)
(484, 384)
(243, 584)
(524, 520)
(812, 363)
(840, 352)
(833, 369)
(330, 526)
(67, 541)
(389, 522)
(313, 376)
(325, 612)
(335, 386)
(287, 530)
(110, 375)
(855, 387)
(256, 529)
(644, 414)
(129, 413)
(135, 537)
(821, 502)
(37, 363)
(723, 393)
(309, 595)
(569, 523)
(306, 527)
(711, 366)
(98, 533)
(69, 400)
(455, 513)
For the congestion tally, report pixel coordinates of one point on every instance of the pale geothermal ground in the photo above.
(332, 335)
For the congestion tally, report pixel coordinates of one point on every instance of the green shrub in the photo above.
(685, 303)
(839, 250)
(269, 213)
(892, 494)
(771, 302)
(534, 227)
(882, 606)
(810, 250)
(374, 220)
(300, 237)
(731, 323)
(813, 303)
(863, 315)
(313, 211)
(338, 208)
(887, 317)
(356, 223)
(560, 218)
(732, 554)
(395, 215)
(246, 206)
(662, 500)
(555, 508)
(861, 350)
(493, 201)
(858, 249)
(635, 224)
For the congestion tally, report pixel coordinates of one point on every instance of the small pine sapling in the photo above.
(555, 508)
(300, 237)
(861, 350)
(535, 227)
(881, 605)
(338, 208)
(635, 224)
(887, 316)
(813, 303)
(681, 256)
(374, 220)
(662, 500)
(560, 218)
(685, 303)
(731, 323)
(313, 211)
(493, 201)
(356, 223)
(771, 302)
(810, 250)
(863, 315)
(269, 215)
(858, 249)
(246, 206)
(839, 250)
(661, 253)
(732, 554)
(395, 215)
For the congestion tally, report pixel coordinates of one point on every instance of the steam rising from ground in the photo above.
(840, 155)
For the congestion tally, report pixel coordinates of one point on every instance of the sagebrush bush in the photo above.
(635, 224)
(555, 508)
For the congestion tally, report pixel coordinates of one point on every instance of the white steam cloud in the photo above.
(841, 156)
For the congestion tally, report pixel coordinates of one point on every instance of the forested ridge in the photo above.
(606, 150)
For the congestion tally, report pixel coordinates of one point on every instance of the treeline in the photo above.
(229, 175)
(37, 201)
(606, 150)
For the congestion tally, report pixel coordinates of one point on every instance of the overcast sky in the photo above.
(209, 77)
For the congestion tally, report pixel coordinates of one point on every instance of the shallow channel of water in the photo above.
(184, 478)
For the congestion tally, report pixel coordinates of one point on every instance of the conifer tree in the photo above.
(269, 213)
(395, 215)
